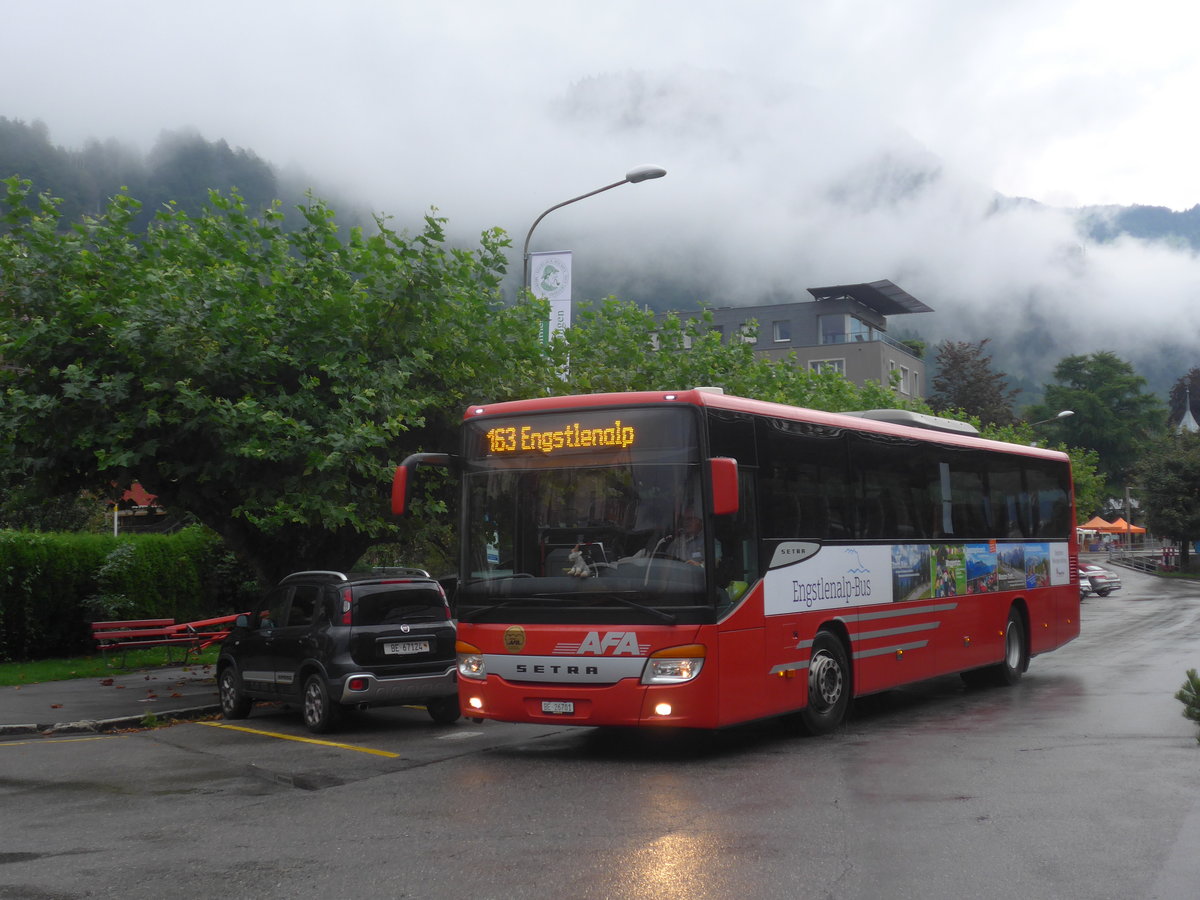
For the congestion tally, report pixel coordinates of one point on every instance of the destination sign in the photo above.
(523, 438)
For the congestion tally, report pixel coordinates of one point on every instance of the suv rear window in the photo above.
(387, 604)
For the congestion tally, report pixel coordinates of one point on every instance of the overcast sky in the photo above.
(1064, 101)
(763, 113)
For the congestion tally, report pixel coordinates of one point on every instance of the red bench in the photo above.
(135, 634)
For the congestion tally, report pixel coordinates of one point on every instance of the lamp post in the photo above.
(633, 176)
(1054, 418)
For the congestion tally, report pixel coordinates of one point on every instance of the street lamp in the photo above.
(633, 176)
(1054, 418)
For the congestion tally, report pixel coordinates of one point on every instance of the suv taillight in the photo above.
(347, 597)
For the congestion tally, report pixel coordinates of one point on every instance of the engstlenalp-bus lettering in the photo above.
(846, 588)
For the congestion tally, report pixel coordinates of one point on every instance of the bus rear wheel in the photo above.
(828, 685)
(1016, 658)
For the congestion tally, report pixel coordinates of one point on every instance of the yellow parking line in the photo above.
(303, 740)
(62, 740)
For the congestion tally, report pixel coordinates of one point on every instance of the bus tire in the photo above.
(829, 685)
(1016, 651)
(1016, 658)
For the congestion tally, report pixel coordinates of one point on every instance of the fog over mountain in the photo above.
(775, 187)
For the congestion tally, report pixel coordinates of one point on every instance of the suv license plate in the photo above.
(558, 707)
(400, 648)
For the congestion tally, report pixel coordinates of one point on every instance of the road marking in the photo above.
(303, 740)
(63, 740)
(459, 735)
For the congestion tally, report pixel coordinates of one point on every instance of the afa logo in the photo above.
(611, 643)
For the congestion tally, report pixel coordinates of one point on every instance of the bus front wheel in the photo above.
(828, 685)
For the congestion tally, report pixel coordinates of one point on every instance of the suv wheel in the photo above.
(321, 714)
(444, 710)
(234, 703)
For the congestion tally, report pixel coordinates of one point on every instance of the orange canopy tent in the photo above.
(1122, 527)
(1095, 524)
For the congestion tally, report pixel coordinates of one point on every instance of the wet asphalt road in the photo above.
(1083, 781)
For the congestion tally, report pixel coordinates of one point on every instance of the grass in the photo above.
(96, 666)
(1185, 576)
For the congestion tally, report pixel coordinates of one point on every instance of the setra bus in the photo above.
(693, 559)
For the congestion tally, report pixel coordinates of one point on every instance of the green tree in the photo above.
(1189, 696)
(1113, 415)
(1168, 478)
(965, 380)
(265, 381)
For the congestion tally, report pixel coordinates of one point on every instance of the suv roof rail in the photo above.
(410, 571)
(331, 575)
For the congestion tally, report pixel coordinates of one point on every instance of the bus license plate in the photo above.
(401, 648)
(558, 707)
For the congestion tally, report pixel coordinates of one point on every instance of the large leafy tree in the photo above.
(966, 381)
(266, 381)
(1168, 478)
(1113, 414)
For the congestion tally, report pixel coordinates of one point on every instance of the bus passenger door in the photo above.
(743, 694)
(744, 691)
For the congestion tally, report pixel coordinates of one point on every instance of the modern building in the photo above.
(843, 328)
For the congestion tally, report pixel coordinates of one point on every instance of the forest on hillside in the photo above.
(181, 168)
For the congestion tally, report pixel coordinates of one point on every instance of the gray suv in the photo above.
(328, 642)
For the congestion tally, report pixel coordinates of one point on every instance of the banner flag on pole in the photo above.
(550, 279)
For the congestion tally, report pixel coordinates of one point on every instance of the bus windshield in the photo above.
(594, 516)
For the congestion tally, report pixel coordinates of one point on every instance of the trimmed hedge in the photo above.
(53, 585)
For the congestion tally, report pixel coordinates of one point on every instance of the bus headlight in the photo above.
(674, 665)
(470, 661)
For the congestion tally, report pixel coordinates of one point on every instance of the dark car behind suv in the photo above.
(328, 641)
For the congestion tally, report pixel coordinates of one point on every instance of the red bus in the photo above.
(693, 559)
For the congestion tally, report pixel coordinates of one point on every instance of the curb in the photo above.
(99, 726)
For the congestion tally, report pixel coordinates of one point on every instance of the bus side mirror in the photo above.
(724, 476)
(403, 477)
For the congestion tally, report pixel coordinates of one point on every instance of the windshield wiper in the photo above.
(659, 614)
(471, 614)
